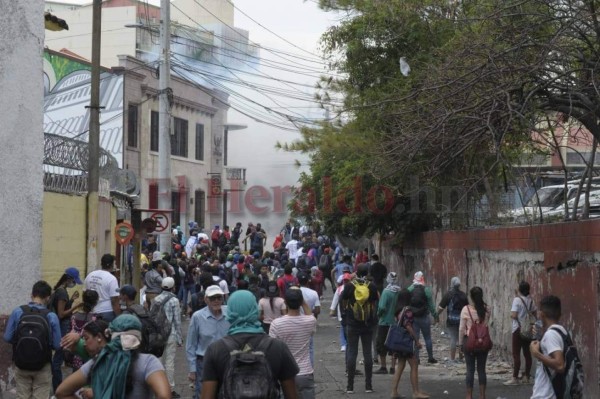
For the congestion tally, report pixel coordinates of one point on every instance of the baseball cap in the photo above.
(212, 291)
(344, 277)
(303, 278)
(168, 283)
(128, 290)
(156, 256)
(74, 274)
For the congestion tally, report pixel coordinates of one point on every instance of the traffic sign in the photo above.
(124, 233)
(162, 221)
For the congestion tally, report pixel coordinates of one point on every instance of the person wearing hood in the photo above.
(423, 307)
(454, 301)
(118, 371)
(246, 334)
(386, 315)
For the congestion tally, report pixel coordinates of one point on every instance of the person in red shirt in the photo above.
(287, 280)
(361, 257)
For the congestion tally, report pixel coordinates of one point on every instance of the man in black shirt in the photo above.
(379, 272)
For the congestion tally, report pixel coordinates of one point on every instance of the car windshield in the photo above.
(548, 197)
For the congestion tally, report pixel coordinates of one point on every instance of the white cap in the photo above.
(156, 255)
(168, 283)
(212, 291)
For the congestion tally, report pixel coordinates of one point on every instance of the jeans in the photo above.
(59, 356)
(423, 324)
(187, 288)
(107, 317)
(305, 385)
(480, 359)
(168, 360)
(33, 384)
(453, 332)
(199, 368)
(343, 341)
(365, 334)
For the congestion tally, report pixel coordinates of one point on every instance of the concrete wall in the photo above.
(560, 259)
(21, 154)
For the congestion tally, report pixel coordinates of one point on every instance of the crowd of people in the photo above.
(252, 321)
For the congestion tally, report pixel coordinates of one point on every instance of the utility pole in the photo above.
(164, 121)
(94, 142)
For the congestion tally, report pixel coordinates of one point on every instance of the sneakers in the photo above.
(392, 370)
(175, 395)
(343, 348)
(512, 381)
(350, 389)
(381, 370)
(375, 360)
(431, 361)
(369, 389)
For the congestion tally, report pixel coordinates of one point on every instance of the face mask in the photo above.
(122, 305)
(71, 284)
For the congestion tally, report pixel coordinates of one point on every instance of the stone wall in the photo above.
(560, 259)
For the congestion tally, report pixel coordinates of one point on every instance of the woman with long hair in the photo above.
(271, 307)
(476, 311)
(405, 317)
(62, 305)
(118, 371)
(81, 318)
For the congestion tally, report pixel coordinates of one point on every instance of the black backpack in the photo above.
(570, 383)
(455, 306)
(152, 339)
(222, 240)
(31, 343)
(248, 375)
(418, 301)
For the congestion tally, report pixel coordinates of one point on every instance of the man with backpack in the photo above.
(454, 301)
(165, 311)
(423, 307)
(34, 331)
(247, 362)
(287, 280)
(557, 357)
(359, 302)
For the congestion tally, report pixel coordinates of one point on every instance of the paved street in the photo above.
(441, 380)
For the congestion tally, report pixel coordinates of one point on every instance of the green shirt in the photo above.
(430, 303)
(387, 307)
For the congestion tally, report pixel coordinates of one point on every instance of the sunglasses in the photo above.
(215, 298)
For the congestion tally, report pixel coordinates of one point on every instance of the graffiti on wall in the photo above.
(66, 95)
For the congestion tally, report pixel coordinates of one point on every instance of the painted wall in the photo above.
(21, 154)
(560, 259)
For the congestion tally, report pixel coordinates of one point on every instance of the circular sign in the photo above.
(124, 233)
(162, 221)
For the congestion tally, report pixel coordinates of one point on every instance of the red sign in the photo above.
(124, 233)
(215, 185)
(162, 221)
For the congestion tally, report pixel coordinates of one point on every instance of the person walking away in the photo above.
(168, 300)
(33, 331)
(271, 307)
(476, 312)
(336, 309)
(62, 305)
(107, 287)
(423, 308)
(403, 315)
(287, 280)
(207, 325)
(454, 301)
(153, 278)
(325, 266)
(386, 315)
(297, 330)
(81, 318)
(522, 305)
(119, 370)
(247, 335)
(292, 247)
(341, 268)
(379, 272)
(359, 300)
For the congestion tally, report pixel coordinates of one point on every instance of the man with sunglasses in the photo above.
(207, 325)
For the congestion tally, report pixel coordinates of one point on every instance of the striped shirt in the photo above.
(296, 332)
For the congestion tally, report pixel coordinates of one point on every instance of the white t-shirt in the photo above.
(292, 248)
(296, 332)
(550, 343)
(107, 287)
(336, 301)
(310, 297)
(222, 284)
(517, 306)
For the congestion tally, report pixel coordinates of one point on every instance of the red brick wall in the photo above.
(561, 259)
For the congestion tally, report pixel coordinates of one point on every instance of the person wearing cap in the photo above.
(118, 370)
(62, 305)
(127, 294)
(386, 309)
(153, 278)
(423, 309)
(297, 329)
(107, 287)
(344, 267)
(168, 300)
(207, 325)
(246, 333)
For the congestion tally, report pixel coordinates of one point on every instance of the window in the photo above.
(153, 195)
(132, 126)
(200, 142)
(580, 157)
(154, 131)
(179, 139)
(199, 204)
